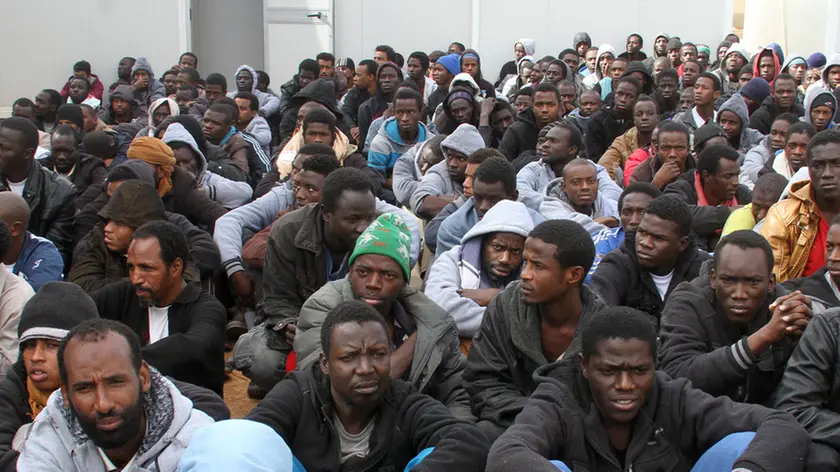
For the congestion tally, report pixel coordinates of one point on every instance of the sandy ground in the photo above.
(236, 394)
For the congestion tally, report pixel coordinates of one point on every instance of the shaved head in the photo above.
(14, 209)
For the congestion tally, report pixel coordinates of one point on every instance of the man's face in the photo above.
(124, 68)
(305, 77)
(784, 93)
(376, 280)
(415, 68)
(543, 279)
(318, 133)
(767, 68)
(187, 62)
(795, 150)
(555, 73)
(730, 123)
(64, 153)
(307, 186)
(213, 93)
(246, 114)
(90, 119)
(673, 146)
(487, 195)
(645, 116)
(182, 78)
(744, 78)
(833, 77)
(632, 209)
(468, 179)
(580, 183)
(363, 78)
(24, 112)
(589, 103)
(151, 276)
(388, 80)
(688, 52)
(344, 70)
(686, 99)
(214, 125)
(353, 213)
(500, 121)
(704, 92)
(184, 99)
(742, 282)
(572, 60)
(634, 43)
(13, 152)
(821, 117)
(170, 83)
(117, 236)
(617, 68)
(832, 254)
(591, 58)
(721, 54)
(462, 110)
(186, 160)
(470, 66)
(41, 363)
(625, 97)
(674, 57)
(408, 114)
(43, 105)
(380, 57)
(723, 184)
(456, 164)
(440, 74)
(703, 59)
(661, 45)
(797, 71)
(658, 244)
(567, 97)
(546, 107)
(761, 203)
(620, 374)
(141, 76)
(105, 391)
(581, 49)
(537, 73)
(824, 170)
(522, 103)
(244, 81)
(161, 113)
(659, 66)
(325, 68)
(358, 364)
(78, 90)
(778, 133)
(501, 255)
(606, 61)
(667, 87)
(120, 107)
(557, 146)
(519, 51)
(690, 72)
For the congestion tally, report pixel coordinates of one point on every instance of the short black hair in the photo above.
(173, 243)
(390, 54)
(638, 187)
(547, 59)
(314, 149)
(189, 88)
(671, 209)
(94, 330)
(193, 74)
(547, 87)
(693, 61)
(405, 93)
(82, 80)
(823, 138)
(191, 124)
(710, 156)
(353, 311)
(168, 72)
(5, 238)
(689, 43)
(480, 155)
(790, 118)
(345, 179)
(67, 130)
(664, 73)
(399, 60)
(632, 81)
(323, 164)
(422, 57)
(567, 51)
(226, 109)
(673, 127)
(800, 127)
(217, 79)
(189, 54)
(262, 76)
(254, 101)
(574, 244)
(782, 76)
(55, 97)
(82, 66)
(319, 115)
(575, 136)
(460, 45)
(745, 239)
(646, 98)
(325, 56)
(370, 65)
(618, 322)
(529, 92)
(497, 169)
(641, 40)
(24, 127)
(713, 78)
(309, 65)
(770, 183)
(24, 102)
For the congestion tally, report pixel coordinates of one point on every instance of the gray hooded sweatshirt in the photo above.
(813, 94)
(156, 90)
(556, 206)
(750, 138)
(269, 104)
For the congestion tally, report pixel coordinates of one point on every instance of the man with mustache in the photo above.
(181, 326)
(732, 329)
(350, 410)
(114, 411)
(422, 334)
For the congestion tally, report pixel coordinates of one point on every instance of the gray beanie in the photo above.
(54, 310)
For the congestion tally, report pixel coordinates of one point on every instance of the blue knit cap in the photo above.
(452, 63)
(816, 60)
(756, 89)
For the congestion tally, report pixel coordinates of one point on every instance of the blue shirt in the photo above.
(606, 241)
(39, 261)
(340, 272)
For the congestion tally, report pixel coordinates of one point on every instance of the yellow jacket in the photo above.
(741, 218)
(791, 227)
(620, 149)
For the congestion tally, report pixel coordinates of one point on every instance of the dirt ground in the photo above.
(236, 395)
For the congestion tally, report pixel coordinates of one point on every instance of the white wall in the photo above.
(492, 26)
(227, 34)
(799, 27)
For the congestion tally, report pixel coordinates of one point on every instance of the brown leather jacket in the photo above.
(620, 149)
(791, 227)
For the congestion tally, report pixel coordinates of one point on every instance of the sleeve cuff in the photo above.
(742, 355)
(233, 266)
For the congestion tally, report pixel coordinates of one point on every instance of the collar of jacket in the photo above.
(684, 261)
(33, 183)
(310, 236)
(188, 295)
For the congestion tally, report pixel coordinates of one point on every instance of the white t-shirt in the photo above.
(158, 323)
(353, 445)
(17, 187)
(662, 283)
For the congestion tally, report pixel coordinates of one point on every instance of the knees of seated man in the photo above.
(258, 360)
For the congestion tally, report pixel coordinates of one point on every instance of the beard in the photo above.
(132, 422)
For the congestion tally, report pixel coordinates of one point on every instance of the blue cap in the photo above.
(452, 63)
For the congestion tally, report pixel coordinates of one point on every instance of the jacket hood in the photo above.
(134, 204)
(253, 73)
(143, 64)
(136, 169)
(655, 54)
(125, 92)
(507, 216)
(793, 58)
(177, 133)
(582, 37)
(464, 79)
(321, 91)
(738, 48)
(737, 105)
(602, 49)
(528, 44)
(639, 66)
(390, 129)
(820, 96)
(776, 62)
(465, 139)
(241, 445)
(173, 108)
(832, 61)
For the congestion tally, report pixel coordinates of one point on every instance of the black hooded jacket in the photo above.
(604, 127)
(321, 91)
(520, 136)
(376, 105)
(762, 119)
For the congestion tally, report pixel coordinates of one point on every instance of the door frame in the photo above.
(286, 15)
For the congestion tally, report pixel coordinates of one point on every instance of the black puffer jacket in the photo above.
(676, 425)
(698, 342)
(620, 281)
(90, 173)
(51, 200)
(300, 410)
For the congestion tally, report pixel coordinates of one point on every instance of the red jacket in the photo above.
(96, 88)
